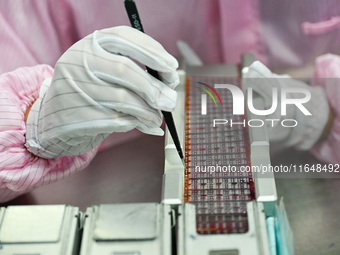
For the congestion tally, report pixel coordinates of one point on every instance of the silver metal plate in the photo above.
(32, 224)
(126, 222)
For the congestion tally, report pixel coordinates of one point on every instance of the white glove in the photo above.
(309, 128)
(97, 89)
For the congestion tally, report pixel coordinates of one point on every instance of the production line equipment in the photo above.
(215, 205)
(221, 206)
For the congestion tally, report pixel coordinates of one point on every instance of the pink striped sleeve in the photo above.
(20, 171)
(327, 74)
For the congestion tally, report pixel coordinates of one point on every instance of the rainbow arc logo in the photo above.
(204, 97)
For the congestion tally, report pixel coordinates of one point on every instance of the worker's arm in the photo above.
(21, 171)
(51, 121)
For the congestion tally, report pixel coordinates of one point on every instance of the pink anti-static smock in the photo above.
(285, 35)
(327, 75)
(20, 171)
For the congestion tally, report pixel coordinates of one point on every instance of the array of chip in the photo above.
(214, 180)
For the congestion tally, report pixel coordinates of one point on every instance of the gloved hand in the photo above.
(309, 128)
(97, 88)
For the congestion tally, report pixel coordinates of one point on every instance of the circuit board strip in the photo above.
(214, 180)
